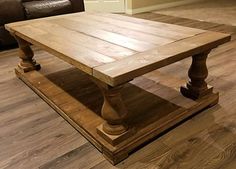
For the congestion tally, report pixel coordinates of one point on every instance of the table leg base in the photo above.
(67, 91)
(195, 95)
(114, 139)
(36, 66)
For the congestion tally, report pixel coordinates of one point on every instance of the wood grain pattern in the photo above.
(153, 39)
(78, 108)
(118, 129)
(78, 56)
(151, 28)
(91, 47)
(158, 25)
(118, 72)
(26, 55)
(212, 131)
(107, 36)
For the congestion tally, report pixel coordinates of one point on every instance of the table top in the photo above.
(115, 48)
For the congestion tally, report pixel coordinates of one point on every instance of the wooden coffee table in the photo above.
(113, 50)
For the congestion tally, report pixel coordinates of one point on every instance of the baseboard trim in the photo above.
(159, 6)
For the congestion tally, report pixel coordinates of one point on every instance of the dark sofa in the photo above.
(18, 10)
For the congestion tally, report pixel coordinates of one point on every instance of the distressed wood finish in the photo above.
(104, 52)
(197, 86)
(120, 71)
(112, 59)
(113, 109)
(26, 55)
(149, 114)
(47, 141)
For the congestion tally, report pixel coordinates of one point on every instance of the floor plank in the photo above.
(32, 135)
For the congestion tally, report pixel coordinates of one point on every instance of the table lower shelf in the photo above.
(78, 100)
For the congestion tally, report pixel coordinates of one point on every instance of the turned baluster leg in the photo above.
(26, 54)
(197, 86)
(113, 110)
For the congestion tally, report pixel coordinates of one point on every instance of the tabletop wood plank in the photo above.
(119, 72)
(80, 39)
(157, 31)
(12, 25)
(104, 17)
(110, 37)
(156, 40)
(100, 46)
(81, 57)
(161, 25)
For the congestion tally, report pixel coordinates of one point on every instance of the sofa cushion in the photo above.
(37, 9)
(78, 5)
(5, 37)
(10, 11)
(29, 0)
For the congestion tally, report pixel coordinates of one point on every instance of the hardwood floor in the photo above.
(33, 135)
(210, 10)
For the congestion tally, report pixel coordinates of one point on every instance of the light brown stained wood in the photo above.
(113, 111)
(166, 26)
(110, 37)
(155, 30)
(29, 127)
(86, 56)
(78, 56)
(197, 86)
(124, 70)
(118, 129)
(61, 145)
(67, 160)
(153, 39)
(85, 116)
(72, 36)
(25, 22)
(158, 29)
(26, 55)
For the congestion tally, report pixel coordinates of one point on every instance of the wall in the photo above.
(144, 3)
(137, 6)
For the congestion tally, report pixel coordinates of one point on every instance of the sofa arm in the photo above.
(10, 11)
(6, 38)
(38, 9)
(78, 5)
